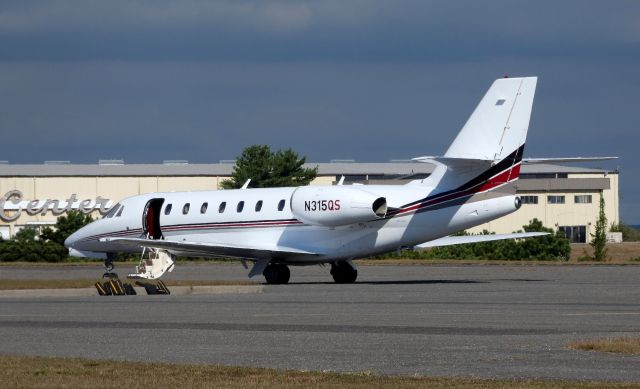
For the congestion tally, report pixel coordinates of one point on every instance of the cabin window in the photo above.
(258, 205)
(204, 207)
(167, 209)
(120, 211)
(185, 209)
(240, 206)
(281, 205)
(222, 206)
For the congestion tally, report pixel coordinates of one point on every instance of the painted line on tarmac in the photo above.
(602, 314)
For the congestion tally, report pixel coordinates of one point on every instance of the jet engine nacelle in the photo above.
(336, 205)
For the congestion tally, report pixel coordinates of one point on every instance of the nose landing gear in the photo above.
(108, 266)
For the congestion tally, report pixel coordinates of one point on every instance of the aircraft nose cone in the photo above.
(71, 240)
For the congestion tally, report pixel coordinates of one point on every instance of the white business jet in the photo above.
(473, 183)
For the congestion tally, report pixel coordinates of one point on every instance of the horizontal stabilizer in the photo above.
(451, 240)
(451, 172)
(208, 249)
(560, 160)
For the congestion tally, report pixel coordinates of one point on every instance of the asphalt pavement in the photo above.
(479, 320)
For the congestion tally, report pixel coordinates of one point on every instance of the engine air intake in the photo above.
(380, 207)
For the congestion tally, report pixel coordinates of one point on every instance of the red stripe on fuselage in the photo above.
(231, 225)
(508, 175)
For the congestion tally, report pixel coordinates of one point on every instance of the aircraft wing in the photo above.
(209, 249)
(451, 240)
(560, 160)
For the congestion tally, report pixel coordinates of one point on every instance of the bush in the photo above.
(49, 248)
(25, 247)
(554, 246)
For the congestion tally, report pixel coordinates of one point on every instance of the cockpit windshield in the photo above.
(112, 211)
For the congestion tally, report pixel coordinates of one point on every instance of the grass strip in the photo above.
(624, 345)
(11, 284)
(41, 372)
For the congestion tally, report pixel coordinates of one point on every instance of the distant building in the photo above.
(564, 198)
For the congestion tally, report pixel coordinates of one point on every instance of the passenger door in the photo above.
(151, 219)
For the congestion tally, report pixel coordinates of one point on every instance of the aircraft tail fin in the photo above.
(499, 124)
(488, 149)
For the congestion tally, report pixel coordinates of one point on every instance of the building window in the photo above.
(204, 207)
(575, 234)
(185, 209)
(529, 199)
(555, 199)
(537, 176)
(258, 205)
(583, 199)
(240, 206)
(167, 209)
(281, 205)
(222, 206)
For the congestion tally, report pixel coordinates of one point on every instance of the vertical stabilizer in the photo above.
(498, 126)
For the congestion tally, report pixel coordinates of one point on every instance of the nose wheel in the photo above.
(108, 267)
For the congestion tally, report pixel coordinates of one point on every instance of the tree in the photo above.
(65, 226)
(599, 237)
(268, 169)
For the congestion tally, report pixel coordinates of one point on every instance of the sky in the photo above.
(370, 80)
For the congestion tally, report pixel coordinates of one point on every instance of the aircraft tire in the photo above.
(276, 274)
(270, 274)
(343, 273)
(283, 274)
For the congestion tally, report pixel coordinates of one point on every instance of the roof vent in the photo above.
(342, 161)
(57, 162)
(175, 162)
(108, 162)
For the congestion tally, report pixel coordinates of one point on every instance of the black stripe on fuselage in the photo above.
(504, 164)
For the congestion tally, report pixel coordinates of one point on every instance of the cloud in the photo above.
(315, 30)
(33, 17)
(373, 80)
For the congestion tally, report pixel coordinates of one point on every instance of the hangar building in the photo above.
(565, 198)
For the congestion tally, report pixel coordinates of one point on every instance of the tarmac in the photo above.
(484, 321)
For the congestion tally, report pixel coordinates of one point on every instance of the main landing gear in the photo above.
(343, 272)
(276, 273)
